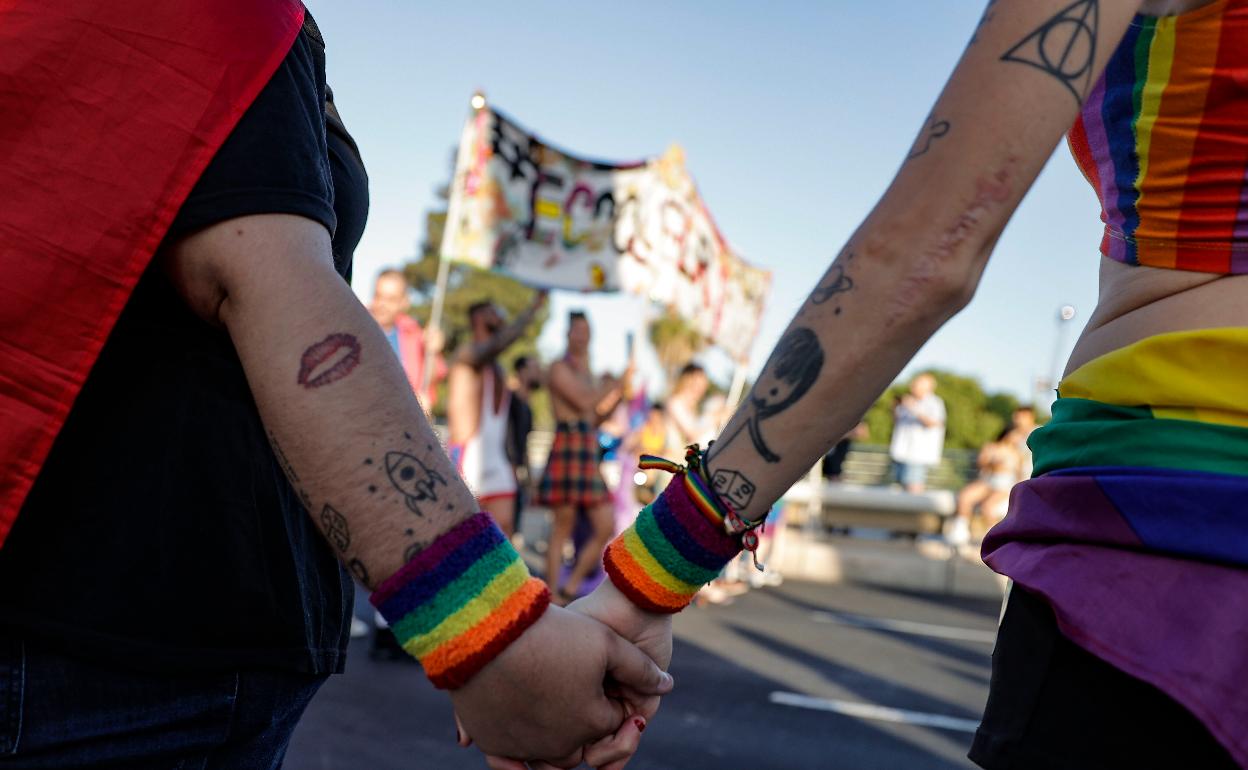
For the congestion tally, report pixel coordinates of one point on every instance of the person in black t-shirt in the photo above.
(528, 379)
(167, 599)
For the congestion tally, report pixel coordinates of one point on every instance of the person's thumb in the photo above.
(633, 669)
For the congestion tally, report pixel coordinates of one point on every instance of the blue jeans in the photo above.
(909, 474)
(62, 712)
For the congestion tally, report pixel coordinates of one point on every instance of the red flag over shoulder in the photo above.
(109, 112)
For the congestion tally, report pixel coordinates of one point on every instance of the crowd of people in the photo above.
(203, 453)
(489, 420)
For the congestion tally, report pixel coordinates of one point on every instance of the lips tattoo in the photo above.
(329, 360)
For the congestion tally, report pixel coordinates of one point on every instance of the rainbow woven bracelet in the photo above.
(461, 601)
(677, 545)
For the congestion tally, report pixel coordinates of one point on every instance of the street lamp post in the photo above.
(1047, 385)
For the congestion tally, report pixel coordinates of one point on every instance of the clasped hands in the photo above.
(578, 686)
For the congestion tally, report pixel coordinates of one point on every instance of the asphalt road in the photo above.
(801, 676)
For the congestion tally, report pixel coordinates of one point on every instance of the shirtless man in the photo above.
(477, 409)
(572, 479)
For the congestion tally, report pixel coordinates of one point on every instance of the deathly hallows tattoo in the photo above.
(1064, 47)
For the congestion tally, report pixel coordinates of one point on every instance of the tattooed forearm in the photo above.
(793, 368)
(416, 481)
(336, 529)
(933, 129)
(1064, 47)
(359, 572)
(733, 487)
(329, 360)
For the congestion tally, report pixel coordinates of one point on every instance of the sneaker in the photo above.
(957, 531)
(359, 629)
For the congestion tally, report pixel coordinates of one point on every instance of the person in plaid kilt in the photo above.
(572, 479)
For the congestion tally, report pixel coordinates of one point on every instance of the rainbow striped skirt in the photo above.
(1135, 525)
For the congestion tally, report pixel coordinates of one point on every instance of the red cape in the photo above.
(111, 111)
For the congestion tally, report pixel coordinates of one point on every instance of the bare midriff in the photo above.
(1140, 302)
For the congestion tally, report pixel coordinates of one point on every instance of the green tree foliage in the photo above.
(675, 342)
(975, 417)
(465, 286)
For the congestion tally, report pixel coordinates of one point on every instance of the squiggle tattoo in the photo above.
(934, 129)
(837, 283)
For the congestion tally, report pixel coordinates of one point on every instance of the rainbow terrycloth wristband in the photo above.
(461, 601)
(677, 545)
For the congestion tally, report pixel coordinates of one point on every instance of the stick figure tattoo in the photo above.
(790, 372)
(415, 480)
(1064, 47)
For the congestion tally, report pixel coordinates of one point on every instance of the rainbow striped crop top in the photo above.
(1163, 139)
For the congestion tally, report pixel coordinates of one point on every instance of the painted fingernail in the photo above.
(641, 724)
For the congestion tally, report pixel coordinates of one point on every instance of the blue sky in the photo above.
(794, 117)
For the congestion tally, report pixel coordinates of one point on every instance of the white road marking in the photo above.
(871, 711)
(906, 627)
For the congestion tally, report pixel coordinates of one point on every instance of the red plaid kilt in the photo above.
(572, 476)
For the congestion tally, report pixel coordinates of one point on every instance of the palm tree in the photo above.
(676, 342)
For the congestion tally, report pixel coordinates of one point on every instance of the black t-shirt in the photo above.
(161, 532)
(519, 426)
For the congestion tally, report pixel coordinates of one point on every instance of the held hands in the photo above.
(555, 692)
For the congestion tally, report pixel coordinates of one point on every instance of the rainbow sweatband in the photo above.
(461, 601)
(677, 545)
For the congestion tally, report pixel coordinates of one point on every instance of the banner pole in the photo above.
(477, 103)
(435, 320)
(736, 390)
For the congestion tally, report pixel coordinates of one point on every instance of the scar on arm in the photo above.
(992, 190)
(990, 193)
